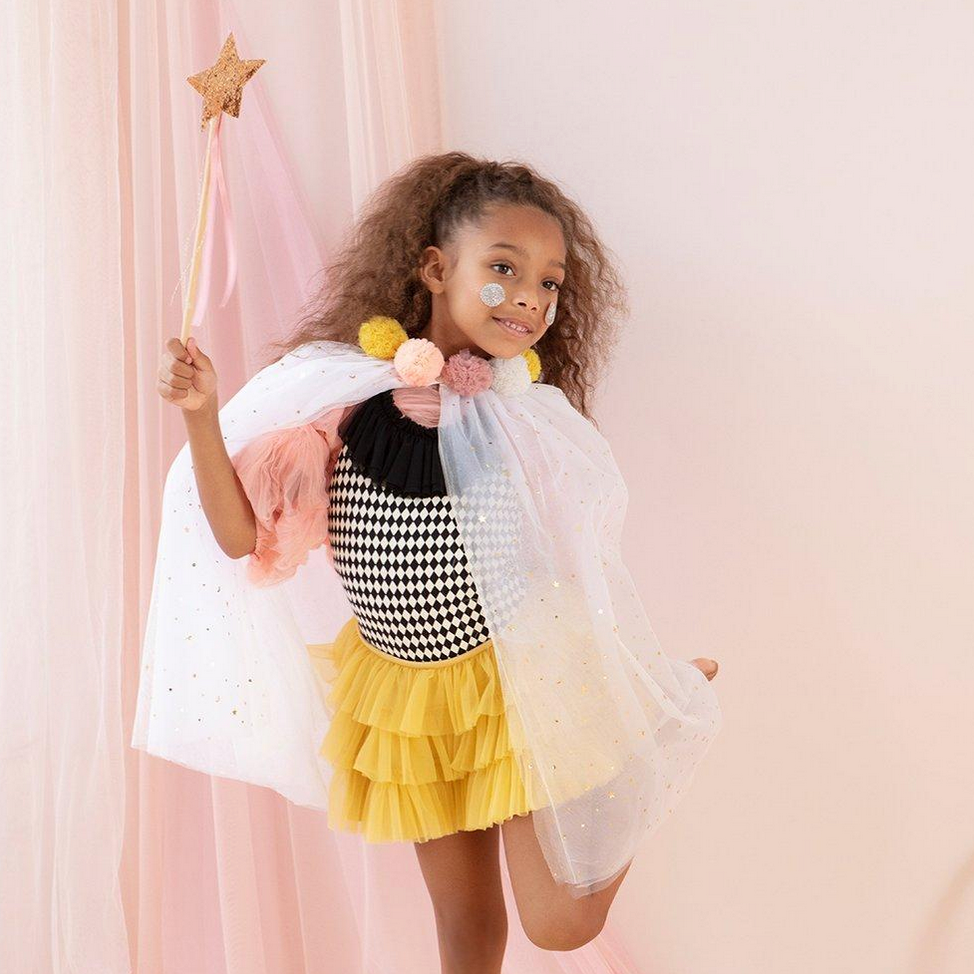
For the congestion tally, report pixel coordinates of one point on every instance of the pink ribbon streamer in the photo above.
(206, 265)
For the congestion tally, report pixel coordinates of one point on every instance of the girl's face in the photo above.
(495, 287)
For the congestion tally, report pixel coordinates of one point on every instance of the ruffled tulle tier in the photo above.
(418, 750)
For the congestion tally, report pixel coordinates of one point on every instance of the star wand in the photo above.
(222, 88)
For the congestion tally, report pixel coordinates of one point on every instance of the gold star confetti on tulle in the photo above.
(222, 85)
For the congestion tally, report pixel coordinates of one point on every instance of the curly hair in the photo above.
(376, 269)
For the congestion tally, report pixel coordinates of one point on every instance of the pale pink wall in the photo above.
(789, 189)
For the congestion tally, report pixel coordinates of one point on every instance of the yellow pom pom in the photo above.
(381, 336)
(534, 363)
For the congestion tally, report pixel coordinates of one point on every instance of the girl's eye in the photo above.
(557, 286)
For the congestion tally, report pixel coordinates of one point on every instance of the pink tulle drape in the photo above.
(115, 861)
(67, 485)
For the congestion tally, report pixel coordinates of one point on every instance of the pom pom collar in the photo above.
(418, 362)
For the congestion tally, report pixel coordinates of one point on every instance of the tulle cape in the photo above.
(609, 729)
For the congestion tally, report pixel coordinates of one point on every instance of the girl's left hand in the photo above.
(706, 666)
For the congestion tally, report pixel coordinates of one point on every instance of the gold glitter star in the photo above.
(222, 85)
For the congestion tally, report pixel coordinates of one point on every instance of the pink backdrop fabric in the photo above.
(114, 860)
(63, 477)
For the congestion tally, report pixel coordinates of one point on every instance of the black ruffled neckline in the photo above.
(393, 448)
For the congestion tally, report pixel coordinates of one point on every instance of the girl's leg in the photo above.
(462, 873)
(551, 917)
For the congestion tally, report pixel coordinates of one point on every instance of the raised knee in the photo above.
(550, 934)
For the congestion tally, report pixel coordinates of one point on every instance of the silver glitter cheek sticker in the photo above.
(549, 315)
(493, 294)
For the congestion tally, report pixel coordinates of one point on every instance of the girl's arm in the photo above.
(188, 380)
(224, 500)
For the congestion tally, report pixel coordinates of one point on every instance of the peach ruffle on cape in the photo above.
(285, 475)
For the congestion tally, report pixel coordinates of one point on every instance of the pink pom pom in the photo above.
(418, 361)
(466, 373)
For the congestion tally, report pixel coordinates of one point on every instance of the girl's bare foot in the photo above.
(706, 666)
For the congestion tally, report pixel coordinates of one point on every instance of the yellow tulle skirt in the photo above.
(419, 750)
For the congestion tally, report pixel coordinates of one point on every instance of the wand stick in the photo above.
(194, 270)
(221, 87)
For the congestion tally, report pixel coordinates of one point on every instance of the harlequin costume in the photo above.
(436, 630)
(418, 735)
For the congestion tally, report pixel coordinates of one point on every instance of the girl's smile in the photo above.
(514, 326)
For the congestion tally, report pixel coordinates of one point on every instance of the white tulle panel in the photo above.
(609, 728)
(613, 728)
(226, 684)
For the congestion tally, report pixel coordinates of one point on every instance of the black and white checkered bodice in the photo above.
(395, 541)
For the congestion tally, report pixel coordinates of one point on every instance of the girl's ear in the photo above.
(432, 269)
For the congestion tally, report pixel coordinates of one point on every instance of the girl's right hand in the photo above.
(186, 376)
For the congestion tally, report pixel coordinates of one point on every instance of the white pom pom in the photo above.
(511, 375)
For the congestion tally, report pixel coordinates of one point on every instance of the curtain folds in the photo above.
(62, 480)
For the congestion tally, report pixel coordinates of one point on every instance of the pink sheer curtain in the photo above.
(64, 482)
(112, 860)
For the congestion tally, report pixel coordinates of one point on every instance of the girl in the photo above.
(470, 276)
